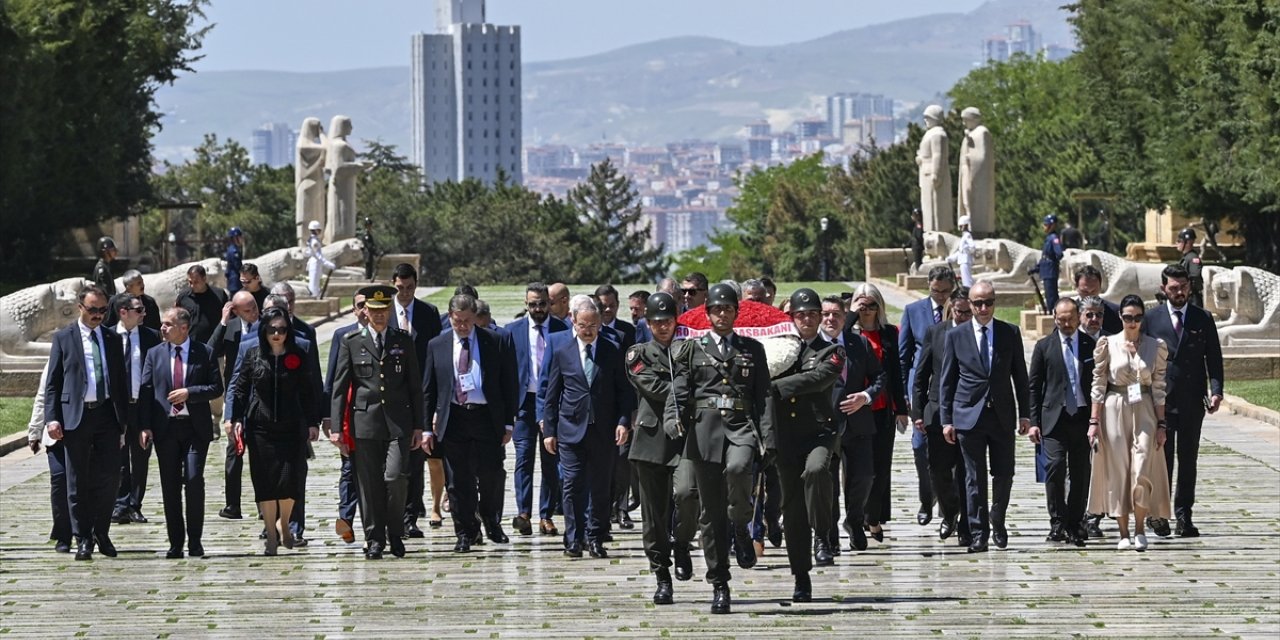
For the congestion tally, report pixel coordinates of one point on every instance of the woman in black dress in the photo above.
(274, 411)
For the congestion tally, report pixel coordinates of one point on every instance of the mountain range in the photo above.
(651, 93)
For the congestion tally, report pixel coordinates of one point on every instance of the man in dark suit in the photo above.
(203, 301)
(377, 380)
(586, 416)
(422, 321)
(470, 390)
(863, 379)
(179, 381)
(529, 337)
(300, 326)
(348, 497)
(136, 287)
(917, 317)
(946, 464)
(239, 323)
(623, 336)
(1195, 364)
(983, 372)
(1089, 283)
(1061, 381)
(86, 408)
(134, 459)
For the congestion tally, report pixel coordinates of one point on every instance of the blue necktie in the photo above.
(1073, 404)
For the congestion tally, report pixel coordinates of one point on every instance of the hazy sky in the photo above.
(325, 35)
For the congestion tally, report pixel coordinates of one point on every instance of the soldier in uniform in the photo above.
(377, 374)
(1191, 262)
(721, 387)
(807, 416)
(368, 248)
(316, 262)
(655, 452)
(1050, 258)
(234, 257)
(102, 277)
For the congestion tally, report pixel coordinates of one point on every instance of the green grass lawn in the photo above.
(1264, 393)
(14, 414)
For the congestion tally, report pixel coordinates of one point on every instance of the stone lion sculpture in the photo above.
(996, 260)
(1248, 298)
(1120, 277)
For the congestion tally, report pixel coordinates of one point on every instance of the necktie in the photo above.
(984, 351)
(589, 365)
(1177, 323)
(99, 379)
(937, 314)
(179, 377)
(1072, 381)
(404, 319)
(128, 362)
(539, 352)
(377, 339)
(724, 348)
(464, 366)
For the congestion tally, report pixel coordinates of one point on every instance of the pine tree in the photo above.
(614, 237)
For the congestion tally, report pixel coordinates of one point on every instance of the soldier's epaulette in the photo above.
(681, 348)
(351, 335)
(397, 330)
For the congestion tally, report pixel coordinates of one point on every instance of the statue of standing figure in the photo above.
(977, 195)
(308, 177)
(935, 173)
(343, 168)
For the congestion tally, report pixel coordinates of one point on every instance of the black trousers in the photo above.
(804, 475)
(134, 460)
(93, 471)
(668, 508)
(181, 455)
(416, 507)
(1183, 446)
(1067, 449)
(622, 471)
(233, 468)
(382, 472)
(56, 453)
(475, 477)
(947, 473)
(879, 502)
(988, 436)
(858, 458)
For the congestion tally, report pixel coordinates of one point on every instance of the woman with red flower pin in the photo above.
(274, 407)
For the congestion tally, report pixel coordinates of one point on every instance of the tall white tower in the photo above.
(466, 96)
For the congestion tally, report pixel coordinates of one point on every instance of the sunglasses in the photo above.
(870, 306)
(95, 311)
(139, 310)
(536, 305)
(1131, 318)
(360, 305)
(277, 331)
(1093, 315)
(988, 302)
(690, 292)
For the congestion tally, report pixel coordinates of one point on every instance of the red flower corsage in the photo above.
(292, 361)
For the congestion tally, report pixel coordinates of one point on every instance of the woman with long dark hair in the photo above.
(274, 410)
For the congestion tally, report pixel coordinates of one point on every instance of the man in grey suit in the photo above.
(377, 378)
(983, 372)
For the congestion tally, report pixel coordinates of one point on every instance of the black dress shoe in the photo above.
(684, 565)
(230, 513)
(924, 515)
(834, 545)
(633, 504)
(963, 540)
(804, 589)
(173, 553)
(1000, 536)
(947, 527)
(62, 547)
(1056, 534)
(978, 547)
(573, 550)
(136, 516)
(121, 517)
(195, 550)
(822, 555)
(412, 531)
(105, 546)
(775, 533)
(624, 520)
(299, 541)
(663, 594)
(374, 552)
(744, 550)
(496, 534)
(857, 538)
(397, 547)
(522, 525)
(477, 539)
(720, 597)
(1094, 526)
(1185, 529)
(596, 549)
(1159, 526)
(463, 545)
(84, 550)
(1075, 540)
(606, 537)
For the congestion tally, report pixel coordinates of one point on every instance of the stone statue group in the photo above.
(325, 171)
(976, 197)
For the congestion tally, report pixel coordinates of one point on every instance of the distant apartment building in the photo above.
(541, 161)
(728, 156)
(272, 144)
(466, 85)
(1020, 38)
(865, 113)
(811, 127)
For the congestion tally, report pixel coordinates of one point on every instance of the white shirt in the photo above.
(186, 370)
(90, 387)
(991, 338)
(476, 395)
(535, 365)
(130, 339)
(403, 312)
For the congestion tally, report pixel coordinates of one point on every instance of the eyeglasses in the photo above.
(1093, 315)
(1131, 318)
(985, 302)
(690, 292)
(277, 331)
(95, 311)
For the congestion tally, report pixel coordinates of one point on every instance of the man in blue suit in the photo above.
(86, 408)
(983, 372)
(348, 496)
(916, 320)
(530, 336)
(586, 416)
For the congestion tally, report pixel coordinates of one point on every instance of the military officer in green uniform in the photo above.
(1192, 263)
(377, 378)
(102, 276)
(806, 420)
(656, 446)
(721, 388)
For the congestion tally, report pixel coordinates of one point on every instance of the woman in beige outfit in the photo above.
(1128, 427)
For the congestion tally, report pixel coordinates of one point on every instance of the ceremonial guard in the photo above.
(368, 249)
(721, 386)
(1192, 263)
(655, 451)
(234, 257)
(1050, 260)
(102, 277)
(315, 259)
(806, 416)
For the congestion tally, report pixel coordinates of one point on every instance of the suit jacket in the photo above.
(925, 392)
(802, 396)
(313, 371)
(1111, 322)
(967, 387)
(917, 317)
(225, 343)
(427, 323)
(498, 381)
(338, 335)
(386, 400)
(203, 383)
(863, 372)
(622, 333)
(1195, 359)
(518, 332)
(1049, 381)
(68, 379)
(574, 404)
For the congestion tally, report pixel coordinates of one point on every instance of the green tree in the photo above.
(613, 242)
(77, 112)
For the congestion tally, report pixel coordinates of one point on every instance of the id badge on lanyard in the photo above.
(1135, 393)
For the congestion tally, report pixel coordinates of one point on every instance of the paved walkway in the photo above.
(1225, 584)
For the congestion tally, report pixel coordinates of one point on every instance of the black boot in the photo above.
(663, 594)
(1001, 488)
(720, 597)
(804, 589)
(822, 553)
(744, 548)
(684, 565)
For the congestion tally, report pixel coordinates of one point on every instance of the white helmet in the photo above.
(964, 220)
(314, 226)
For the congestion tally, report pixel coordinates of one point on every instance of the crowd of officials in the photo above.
(615, 415)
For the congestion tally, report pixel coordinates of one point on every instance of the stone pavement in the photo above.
(1225, 584)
